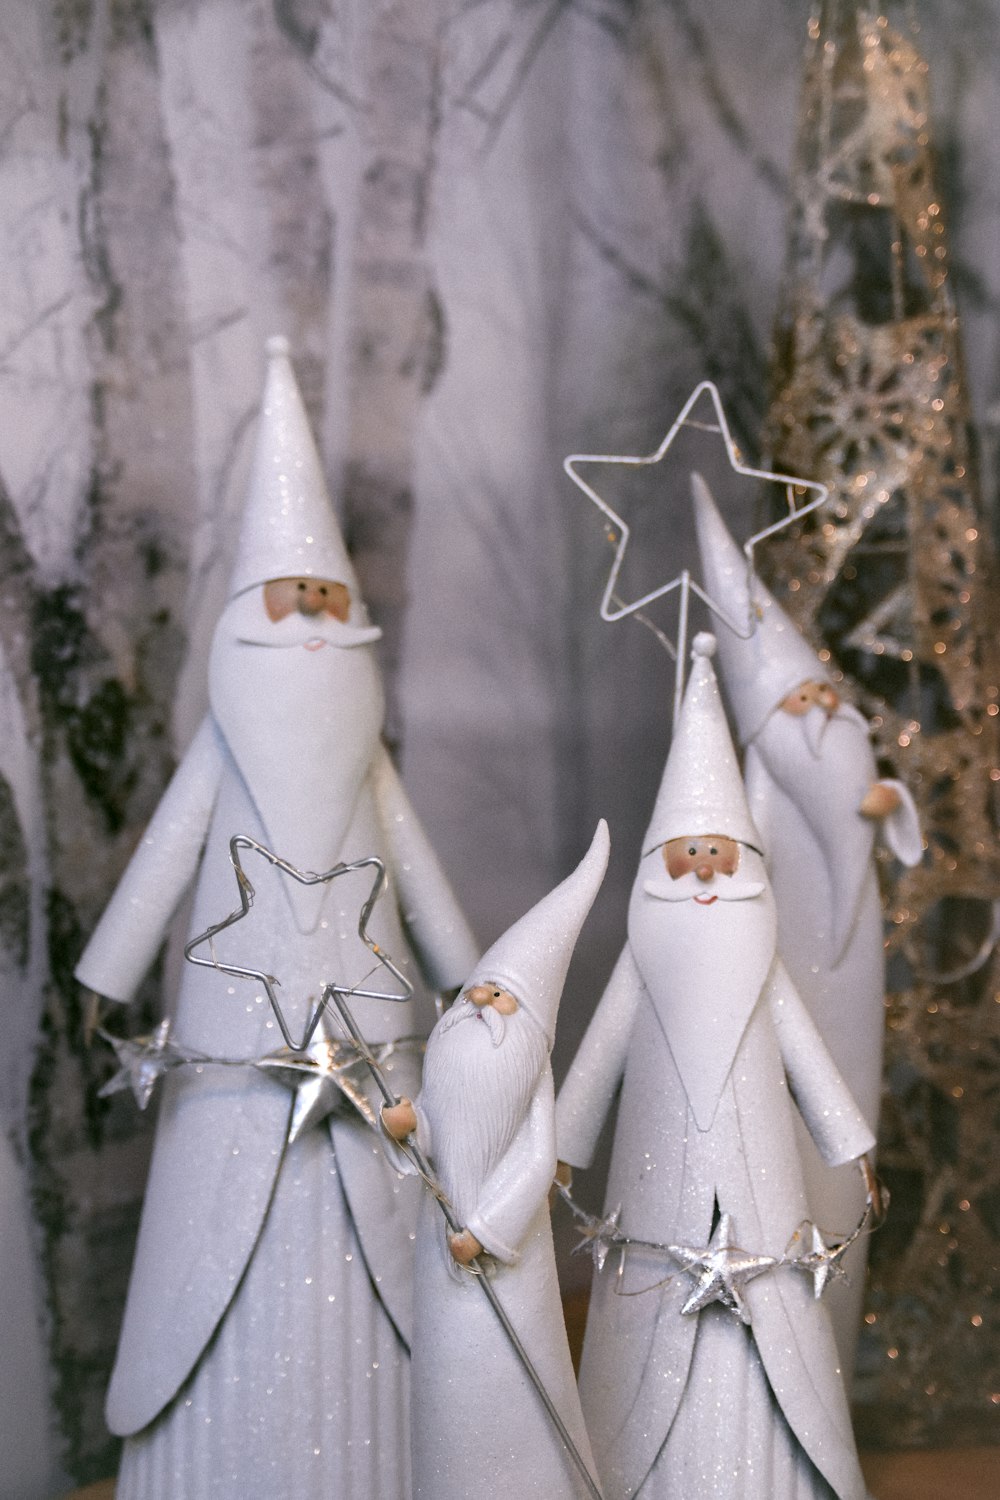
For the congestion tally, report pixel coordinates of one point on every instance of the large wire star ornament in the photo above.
(720, 1270)
(613, 607)
(270, 982)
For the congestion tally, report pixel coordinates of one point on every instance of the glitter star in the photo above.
(270, 982)
(720, 1270)
(321, 1077)
(823, 1262)
(599, 1236)
(143, 1059)
(612, 607)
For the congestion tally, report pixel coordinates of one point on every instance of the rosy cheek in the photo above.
(277, 602)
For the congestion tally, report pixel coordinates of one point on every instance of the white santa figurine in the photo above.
(485, 1119)
(264, 1347)
(817, 798)
(710, 1369)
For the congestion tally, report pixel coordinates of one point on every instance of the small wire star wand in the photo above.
(337, 995)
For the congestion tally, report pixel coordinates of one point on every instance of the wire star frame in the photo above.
(270, 982)
(619, 532)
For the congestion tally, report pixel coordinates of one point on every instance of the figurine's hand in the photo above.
(878, 1195)
(464, 1246)
(399, 1119)
(880, 801)
(563, 1178)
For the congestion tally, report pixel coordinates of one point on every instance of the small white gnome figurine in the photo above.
(264, 1353)
(721, 1377)
(815, 796)
(485, 1119)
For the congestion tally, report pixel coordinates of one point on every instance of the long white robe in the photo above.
(248, 1251)
(479, 1426)
(689, 1405)
(844, 992)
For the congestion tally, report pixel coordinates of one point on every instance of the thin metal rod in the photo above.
(423, 1166)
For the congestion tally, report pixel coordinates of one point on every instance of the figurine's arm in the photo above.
(444, 946)
(825, 1102)
(520, 1180)
(892, 803)
(597, 1068)
(126, 939)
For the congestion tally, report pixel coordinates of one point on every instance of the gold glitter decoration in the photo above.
(891, 580)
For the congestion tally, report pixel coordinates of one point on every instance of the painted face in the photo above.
(707, 857)
(811, 694)
(491, 994)
(309, 596)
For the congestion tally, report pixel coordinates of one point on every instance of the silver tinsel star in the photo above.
(823, 1261)
(599, 1237)
(143, 1059)
(322, 1078)
(720, 1270)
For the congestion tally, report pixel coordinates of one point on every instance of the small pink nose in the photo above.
(704, 870)
(480, 994)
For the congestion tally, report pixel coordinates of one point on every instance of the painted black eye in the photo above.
(692, 849)
(713, 850)
(301, 587)
(496, 994)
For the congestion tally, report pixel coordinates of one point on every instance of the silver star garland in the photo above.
(324, 1078)
(143, 1059)
(721, 1268)
(824, 1263)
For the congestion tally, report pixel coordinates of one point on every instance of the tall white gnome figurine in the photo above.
(721, 1377)
(264, 1352)
(485, 1119)
(815, 795)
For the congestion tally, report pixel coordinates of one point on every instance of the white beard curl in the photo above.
(704, 967)
(302, 723)
(475, 1094)
(825, 767)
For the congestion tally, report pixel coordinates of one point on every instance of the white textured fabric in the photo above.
(305, 1302)
(753, 1453)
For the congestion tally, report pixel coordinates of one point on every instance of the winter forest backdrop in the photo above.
(495, 231)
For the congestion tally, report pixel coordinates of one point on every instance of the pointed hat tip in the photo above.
(699, 489)
(600, 844)
(704, 644)
(277, 346)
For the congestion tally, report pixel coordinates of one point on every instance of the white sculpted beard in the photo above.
(690, 887)
(825, 767)
(475, 1094)
(302, 724)
(704, 966)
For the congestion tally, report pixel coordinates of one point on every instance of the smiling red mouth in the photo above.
(314, 643)
(705, 900)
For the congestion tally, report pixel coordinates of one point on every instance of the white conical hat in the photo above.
(289, 528)
(702, 790)
(763, 670)
(532, 957)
